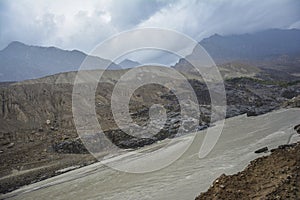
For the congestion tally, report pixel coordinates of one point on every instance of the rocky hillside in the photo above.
(276, 176)
(46, 103)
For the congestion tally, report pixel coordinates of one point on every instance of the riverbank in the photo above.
(276, 176)
(30, 171)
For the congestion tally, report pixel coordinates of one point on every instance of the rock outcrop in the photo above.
(297, 128)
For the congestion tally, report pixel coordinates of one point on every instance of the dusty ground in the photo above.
(276, 176)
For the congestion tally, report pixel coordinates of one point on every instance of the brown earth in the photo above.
(276, 176)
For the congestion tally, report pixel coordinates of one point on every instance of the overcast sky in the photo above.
(71, 24)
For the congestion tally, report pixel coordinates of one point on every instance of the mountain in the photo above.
(275, 51)
(129, 64)
(19, 61)
(264, 45)
(271, 50)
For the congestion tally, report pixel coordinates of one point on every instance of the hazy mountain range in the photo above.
(275, 47)
(274, 50)
(20, 62)
(264, 45)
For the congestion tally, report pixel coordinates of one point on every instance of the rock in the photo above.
(74, 146)
(292, 103)
(262, 150)
(124, 140)
(260, 110)
(288, 94)
(65, 138)
(297, 128)
(272, 150)
(285, 146)
(135, 143)
(1, 151)
(5, 143)
(251, 113)
(202, 127)
(11, 145)
(41, 129)
(52, 128)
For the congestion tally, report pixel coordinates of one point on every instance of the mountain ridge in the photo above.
(21, 62)
(253, 46)
(273, 50)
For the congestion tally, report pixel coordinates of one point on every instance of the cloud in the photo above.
(204, 18)
(79, 24)
(71, 24)
(295, 25)
(127, 14)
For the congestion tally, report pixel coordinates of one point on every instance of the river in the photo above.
(183, 179)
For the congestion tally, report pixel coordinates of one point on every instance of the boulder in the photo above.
(297, 128)
(262, 150)
(11, 145)
(251, 113)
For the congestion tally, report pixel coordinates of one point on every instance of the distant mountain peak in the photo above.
(15, 44)
(216, 35)
(127, 63)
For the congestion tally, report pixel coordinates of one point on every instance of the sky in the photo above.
(82, 24)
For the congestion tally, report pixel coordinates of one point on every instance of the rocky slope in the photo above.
(276, 176)
(45, 104)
